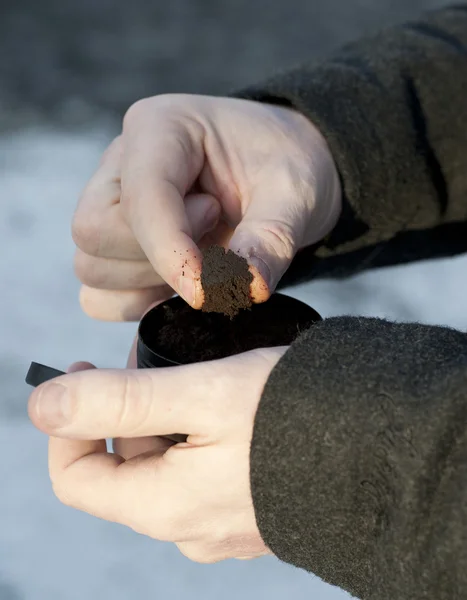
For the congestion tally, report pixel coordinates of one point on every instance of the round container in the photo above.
(173, 333)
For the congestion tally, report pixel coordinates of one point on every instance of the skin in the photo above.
(189, 171)
(195, 494)
(186, 172)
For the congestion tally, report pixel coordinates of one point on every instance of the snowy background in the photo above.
(67, 72)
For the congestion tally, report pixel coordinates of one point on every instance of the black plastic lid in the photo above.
(38, 374)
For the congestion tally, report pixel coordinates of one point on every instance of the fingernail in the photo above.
(262, 268)
(186, 289)
(52, 406)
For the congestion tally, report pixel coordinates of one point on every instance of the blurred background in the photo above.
(68, 71)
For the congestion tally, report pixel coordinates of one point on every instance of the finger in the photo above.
(121, 305)
(114, 274)
(104, 485)
(66, 452)
(85, 476)
(161, 161)
(131, 447)
(98, 227)
(203, 212)
(259, 288)
(219, 236)
(102, 403)
(269, 236)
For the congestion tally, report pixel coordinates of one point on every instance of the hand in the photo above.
(189, 171)
(196, 494)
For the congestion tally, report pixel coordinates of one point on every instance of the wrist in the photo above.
(328, 206)
(320, 173)
(327, 186)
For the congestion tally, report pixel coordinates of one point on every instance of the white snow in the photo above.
(50, 552)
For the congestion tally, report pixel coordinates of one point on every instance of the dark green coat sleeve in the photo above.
(359, 451)
(393, 109)
(359, 458)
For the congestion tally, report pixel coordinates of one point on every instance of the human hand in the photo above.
(196, 494)
(189, 171)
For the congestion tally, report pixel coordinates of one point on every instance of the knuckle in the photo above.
(142, 109)
(86, 233)
(145, 106)
(135, 111)
(61, 492)
(135, 403)
(280, 238)
(123, 408)
(88, 270)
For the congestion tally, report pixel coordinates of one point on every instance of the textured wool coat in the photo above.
(359, 452)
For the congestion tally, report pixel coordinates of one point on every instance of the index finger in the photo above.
(162, 159)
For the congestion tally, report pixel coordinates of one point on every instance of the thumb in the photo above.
(102, 403)
(269, 235)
